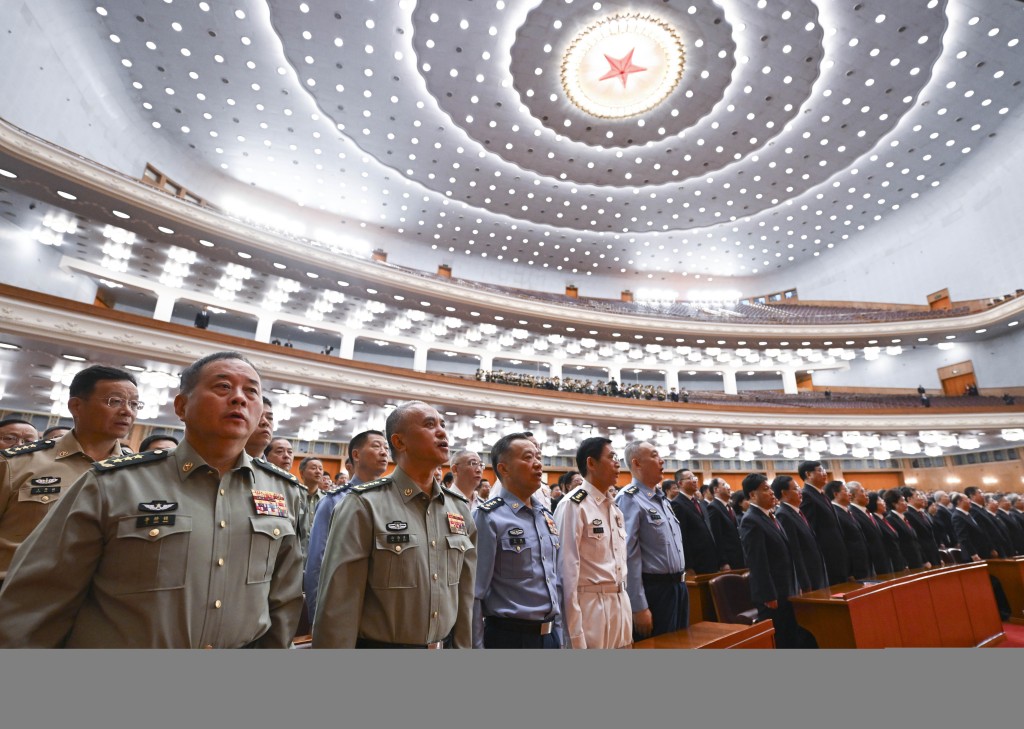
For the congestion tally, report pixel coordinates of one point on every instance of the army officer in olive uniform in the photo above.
(400, 561)
(188, 548)
(33, 476)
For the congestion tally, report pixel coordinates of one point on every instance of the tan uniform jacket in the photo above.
(399, 567)
(160, 553)
(32, 479)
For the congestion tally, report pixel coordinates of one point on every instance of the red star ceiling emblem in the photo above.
(620, 68)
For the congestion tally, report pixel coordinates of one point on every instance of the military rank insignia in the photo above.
(456, 523)
(270, 503)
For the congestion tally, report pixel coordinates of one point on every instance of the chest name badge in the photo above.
(551, 525)
(44, 490)
(655, 514)
(456, 523)
(158, 505)
(598, 526)
(398, 538)
(270, 503)
(396, 526)
(151, 520)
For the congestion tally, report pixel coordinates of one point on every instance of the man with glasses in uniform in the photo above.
(103, 402)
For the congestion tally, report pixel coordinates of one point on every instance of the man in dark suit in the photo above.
(943, 521)
(853, 537)
(810, 567)
(725, 525)
(872, 531)
(975, 544)
(987, 522)
(817, 507)
(896, 503)
(1013, 525)
(772, 571)
(891, 538)
(921, 523)
(699, 550)
(1005, 539)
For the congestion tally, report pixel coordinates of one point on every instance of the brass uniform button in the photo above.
(435, 575)
(154, 532)
(218, 604)
(44, 499)
(277, 532)
(223, 523)
(220, 562)
(398, 547)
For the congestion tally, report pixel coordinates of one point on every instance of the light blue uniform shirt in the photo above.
(318, 542)
(654, 542)
(517, 572)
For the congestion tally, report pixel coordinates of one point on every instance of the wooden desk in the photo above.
(702, 608)
(1010, 573)
(947, 607)
(715, 635)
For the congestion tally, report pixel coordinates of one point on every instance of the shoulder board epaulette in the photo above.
(36, 445)
(491, 504)
(133, 459)
(335, 490)
(577, 496)
(631, 489)
(268, 466)
(456, 494)
(370, 485)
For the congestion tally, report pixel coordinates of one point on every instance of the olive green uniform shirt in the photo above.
(399, 567)
(33, 477)
(160, 552)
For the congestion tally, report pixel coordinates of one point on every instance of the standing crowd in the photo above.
(212, 542)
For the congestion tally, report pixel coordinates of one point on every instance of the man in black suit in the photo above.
(810, 567)
(817, 507)
(872, 531)
(853, 537)
(975, 544)
(943, 521)
(921, 523)
(1013, 524)
(699, 550)
(772, 571)
(987, 522)
(1005, 539)
(725, 525)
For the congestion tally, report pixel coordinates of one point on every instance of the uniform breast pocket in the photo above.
(514, 560)
(146, 558)
(657, 525)
(458, 545)
(42, 495)
(395, 561)
(265, 544)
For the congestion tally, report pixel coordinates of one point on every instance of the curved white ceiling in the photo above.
(795, 124)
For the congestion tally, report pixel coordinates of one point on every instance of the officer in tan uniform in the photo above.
(103, 401)
(188, 548)
(597, 612)
(400, 562)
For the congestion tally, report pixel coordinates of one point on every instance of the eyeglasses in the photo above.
(13, 440)
(119, 402)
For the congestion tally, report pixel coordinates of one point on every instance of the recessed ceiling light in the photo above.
(134, 368)
(359, 402)
(73, 357)
(5, 173)
(8, 345)
(66, 195)
(205, 243)
(243, 254)
(319, 397)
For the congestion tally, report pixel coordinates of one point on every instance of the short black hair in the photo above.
(780, 485)
(83, 383)
(678, 475)
(359, 440)
(752, 482)
(307, 460)
(832, 488)
(266, 400)
(566, 478)
(150, 439)
(271, 443)
(891, 497)
(873, 497)
(190, 375)
(501, 447)
(14, 421)
(806, 467)
(970, 491)
(52, 428)
(590, 448)
(394, 422)
(957, 498)
(667, 484)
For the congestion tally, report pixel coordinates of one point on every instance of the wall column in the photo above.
(789, 382)
(164, 307)
(419, 358)
(729, 382)
(348, 346)
(264, 325)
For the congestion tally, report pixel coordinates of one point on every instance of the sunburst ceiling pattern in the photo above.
(795, 125)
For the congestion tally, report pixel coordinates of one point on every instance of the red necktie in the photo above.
(774, 520)
(804, 518)
(697, 504)
(732, 514)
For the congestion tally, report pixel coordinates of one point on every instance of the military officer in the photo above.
(400, 559)
(654, 548)
(595, 606)
(368, 451)
(103, 402)
(193, 547)
(15, 432)
(518, 588)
